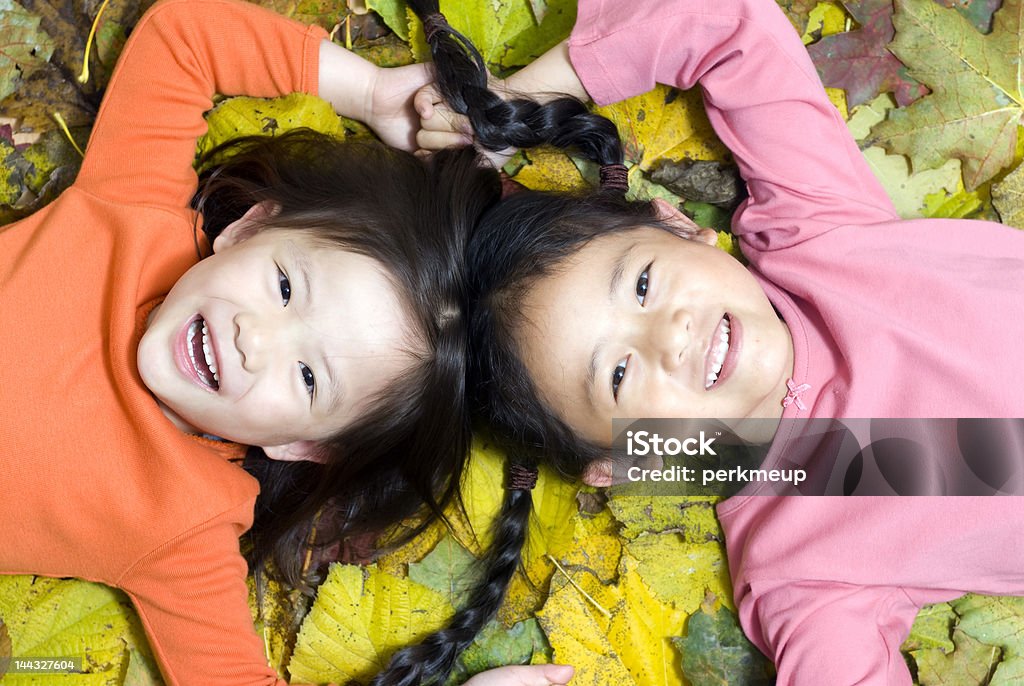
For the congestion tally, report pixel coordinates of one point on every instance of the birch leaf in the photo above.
(974, 109)
(360, 617)
(68, 618)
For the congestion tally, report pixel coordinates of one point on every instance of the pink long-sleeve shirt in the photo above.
(889, 318)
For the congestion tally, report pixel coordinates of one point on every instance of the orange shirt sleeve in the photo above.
(180, 54)
(191, 596)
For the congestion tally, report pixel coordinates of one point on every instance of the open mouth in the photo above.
(717, 351)
(200, 353)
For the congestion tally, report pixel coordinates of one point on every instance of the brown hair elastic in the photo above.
(614, 176)
(432, 23)
(521, 477)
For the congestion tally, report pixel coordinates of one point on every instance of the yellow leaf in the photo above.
(612, 634)
(681, 572)
(359, 618)
(826, 19)
(665, 123)
(550, 170)
(691, 516)
(69, 618)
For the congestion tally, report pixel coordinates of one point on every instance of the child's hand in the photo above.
(441, 127)
(524, 675)
(390, 112)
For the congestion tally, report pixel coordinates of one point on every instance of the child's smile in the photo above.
(275, 340)
(200, 353)
(644, 323)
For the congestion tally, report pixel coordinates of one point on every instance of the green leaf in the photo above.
(505, 31)
(976, 100)
(24, 47)
(970, 664)
(449, 569)
(932, 628)
(497, 645)
(716, 653)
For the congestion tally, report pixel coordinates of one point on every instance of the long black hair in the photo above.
(523, 237)
(406, 452)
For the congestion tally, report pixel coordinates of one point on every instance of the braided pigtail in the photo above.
(432, 660)
(565, 122)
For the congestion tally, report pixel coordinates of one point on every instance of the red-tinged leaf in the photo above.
(858, 62)
(978, 12)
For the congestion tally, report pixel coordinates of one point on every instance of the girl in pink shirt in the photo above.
(588, 308)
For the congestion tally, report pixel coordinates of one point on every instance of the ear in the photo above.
(598, 473)
(246, 225)
(681, 224)
(295, 451)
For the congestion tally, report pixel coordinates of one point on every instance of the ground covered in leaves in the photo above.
(630, 590)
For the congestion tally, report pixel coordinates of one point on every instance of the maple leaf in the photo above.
(976, 104)
(972, 662)
(858, 62)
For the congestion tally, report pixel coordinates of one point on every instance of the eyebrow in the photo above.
(614, 283)
(337, 390)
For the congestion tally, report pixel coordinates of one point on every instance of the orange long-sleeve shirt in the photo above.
(95, 482)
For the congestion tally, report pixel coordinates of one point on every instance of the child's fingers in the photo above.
(436, 140)
(524, 675)
(424, 101)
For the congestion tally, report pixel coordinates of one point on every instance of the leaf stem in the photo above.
(64, 127)
(84, 76)
(575, 585)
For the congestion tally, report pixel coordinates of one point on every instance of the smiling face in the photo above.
(275, 341)
(645, 323)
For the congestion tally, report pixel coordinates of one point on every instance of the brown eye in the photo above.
(617, 376)
(285, 285)
(641, 285)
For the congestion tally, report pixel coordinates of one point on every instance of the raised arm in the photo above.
(763, 98)
(192, 598)
(829, 633)
(182, 52)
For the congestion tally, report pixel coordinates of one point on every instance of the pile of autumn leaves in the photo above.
(628, 589)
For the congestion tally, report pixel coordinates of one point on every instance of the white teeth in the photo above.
(719, 348)
(208, 353)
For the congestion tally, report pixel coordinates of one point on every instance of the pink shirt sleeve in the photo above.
(832, 633)
(180, 54)
(804, 173)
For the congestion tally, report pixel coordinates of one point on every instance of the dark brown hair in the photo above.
(405, 454)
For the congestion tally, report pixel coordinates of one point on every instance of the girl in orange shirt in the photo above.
(325, 330)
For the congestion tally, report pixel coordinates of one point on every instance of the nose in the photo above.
(670, 337)
(256, 338)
